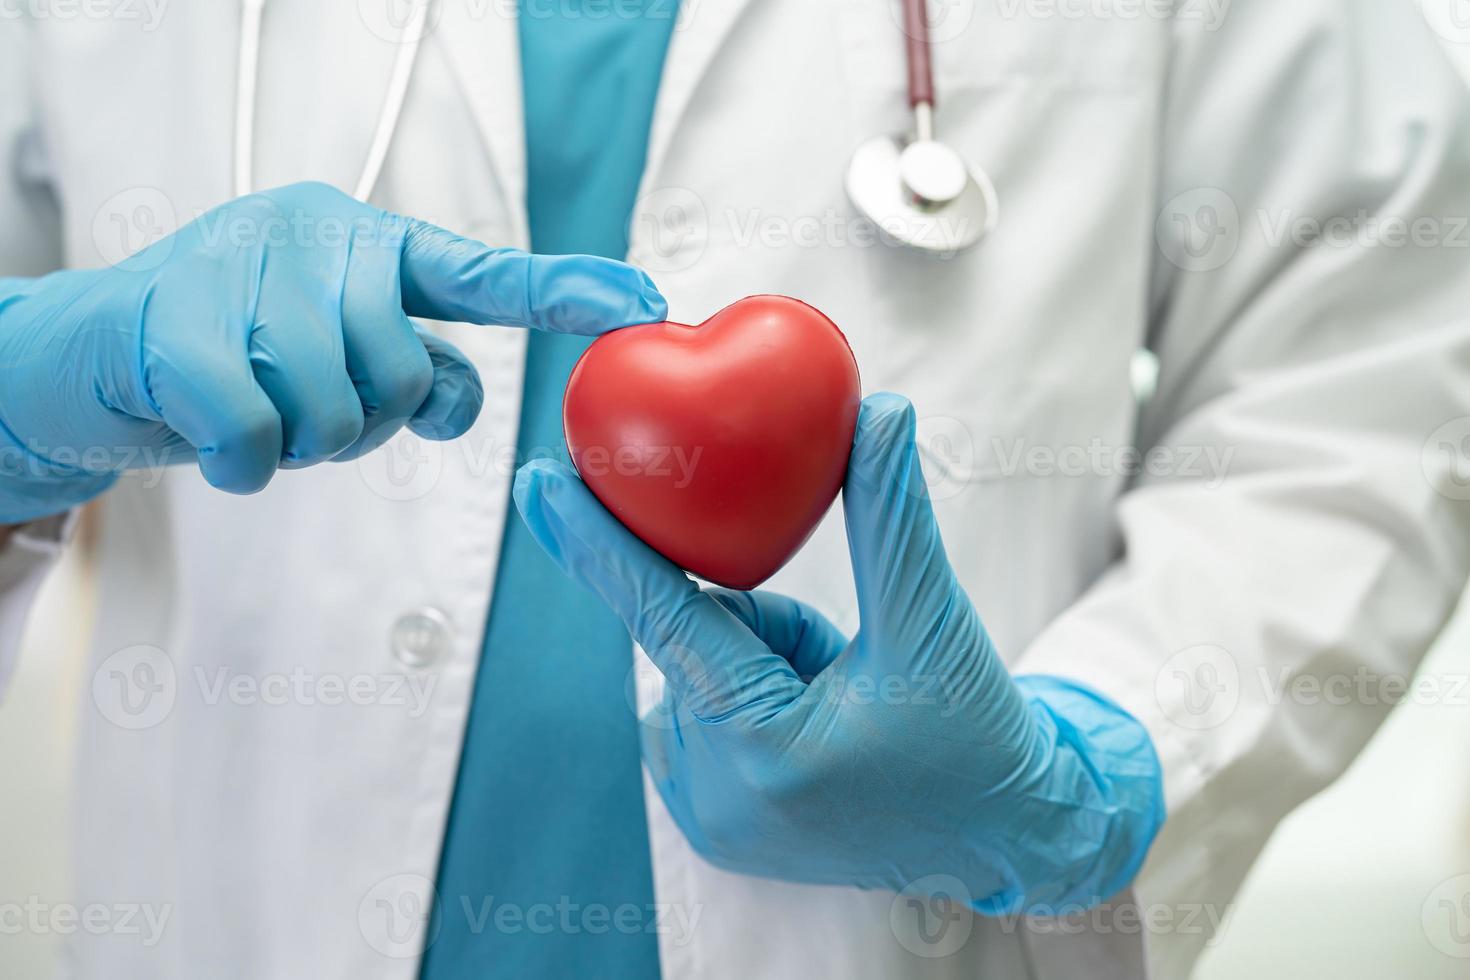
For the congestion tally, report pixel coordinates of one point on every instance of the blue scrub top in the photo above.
(546, 853)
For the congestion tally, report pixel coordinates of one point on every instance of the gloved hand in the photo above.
(271, 332)
(796, 753)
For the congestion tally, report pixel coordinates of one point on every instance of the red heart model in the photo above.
(720, 445)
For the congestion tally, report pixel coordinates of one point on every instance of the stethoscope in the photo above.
(411, 35)
(919, 192)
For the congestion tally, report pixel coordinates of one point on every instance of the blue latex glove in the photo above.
(271, 333)
(793, 752)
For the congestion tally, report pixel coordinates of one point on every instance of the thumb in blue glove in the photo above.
(875, 761)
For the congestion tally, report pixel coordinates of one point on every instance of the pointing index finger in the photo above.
(447, 277)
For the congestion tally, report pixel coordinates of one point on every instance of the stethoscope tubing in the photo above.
(252, 13)
(916, 47)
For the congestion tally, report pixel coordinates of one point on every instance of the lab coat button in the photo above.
(420, 637)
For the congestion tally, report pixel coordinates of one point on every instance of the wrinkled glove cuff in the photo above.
(32, 487)
(1102, 784)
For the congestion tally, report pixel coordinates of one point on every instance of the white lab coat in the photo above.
(1302, 517)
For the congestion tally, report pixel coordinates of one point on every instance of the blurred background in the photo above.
(1364, 882)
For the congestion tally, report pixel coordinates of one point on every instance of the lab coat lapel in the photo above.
(481, 40)
(698, 37)
(315, 113)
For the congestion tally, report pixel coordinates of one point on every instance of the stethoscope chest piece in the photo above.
(920, 193)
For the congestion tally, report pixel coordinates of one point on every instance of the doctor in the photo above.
(326, 701)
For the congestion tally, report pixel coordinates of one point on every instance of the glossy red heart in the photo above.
(720, 445)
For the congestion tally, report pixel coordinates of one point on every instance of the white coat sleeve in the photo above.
(29, 246)
(24, 561)
(1311, 315)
